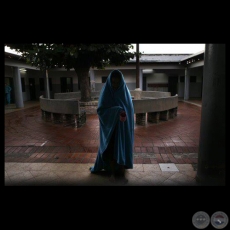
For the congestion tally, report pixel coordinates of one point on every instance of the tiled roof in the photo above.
(144, 57)
(161, 57)
(193, 55)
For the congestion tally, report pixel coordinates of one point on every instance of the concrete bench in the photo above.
(156, 109)
(66, 111)
(75, 95)
(157, 105)
(155, 94)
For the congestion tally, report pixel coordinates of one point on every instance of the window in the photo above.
(42, 84)
(192, 78)
(50, 84)
(103, 79)
(23, 84)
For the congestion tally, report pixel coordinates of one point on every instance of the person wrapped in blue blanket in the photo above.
(116, 116)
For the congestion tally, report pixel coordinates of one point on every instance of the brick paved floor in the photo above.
(30, 139)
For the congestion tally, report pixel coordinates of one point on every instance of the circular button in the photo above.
(219, 220)
(201, 220)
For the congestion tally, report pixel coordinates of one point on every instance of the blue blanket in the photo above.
(111, 103)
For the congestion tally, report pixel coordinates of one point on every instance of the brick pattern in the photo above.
(28, 138)
(164, 115)
(47, 116)
(88, 155)
(154, 117)
(57, 118)
(171, 113)
(175, 112)
(140, 118)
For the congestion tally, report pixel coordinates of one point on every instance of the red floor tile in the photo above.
(45, 140)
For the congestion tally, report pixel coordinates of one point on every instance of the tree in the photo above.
(78, 56)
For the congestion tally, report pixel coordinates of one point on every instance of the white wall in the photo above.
(129, 75)
(156, 78)
(56, 75)
(195, 88)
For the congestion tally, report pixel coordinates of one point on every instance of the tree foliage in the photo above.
(80, 56)
(51, 55)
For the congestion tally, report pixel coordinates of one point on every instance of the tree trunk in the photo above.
(83, 78)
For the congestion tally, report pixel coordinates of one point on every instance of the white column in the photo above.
(141, 79)
(18, 88)
(47, 85)
(92, 79)
(186, 84)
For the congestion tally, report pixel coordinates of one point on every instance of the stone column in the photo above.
(140, 118)
(68, 119)
(175, 112)
(164, 115)
(137, 67)
(212, 150)
(43, 114)
(81, 119)
(56, 118)
(18, 88)
(47, 85)
(48, 116)
(153, 117)
(137, 93)
(141, 79)
(186, 84)
(171, 113)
